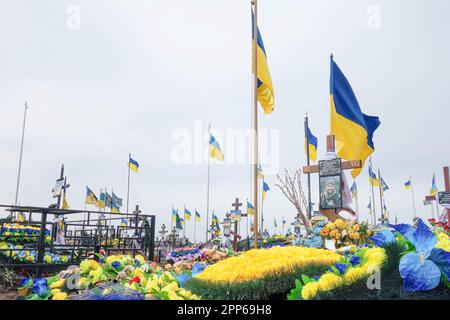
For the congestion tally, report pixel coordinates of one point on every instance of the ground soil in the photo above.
(7, 294)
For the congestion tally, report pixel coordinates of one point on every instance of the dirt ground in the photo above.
(7, 294)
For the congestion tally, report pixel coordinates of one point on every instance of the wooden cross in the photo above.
(345, 165)
(163, 231)
(236, 206)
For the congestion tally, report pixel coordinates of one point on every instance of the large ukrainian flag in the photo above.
(352, 129)
(265, 87)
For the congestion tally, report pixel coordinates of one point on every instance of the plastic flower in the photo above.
(383, 238)
(421, 270)
(355, 260)
(60, 296)
(40, 287)
(116, 265)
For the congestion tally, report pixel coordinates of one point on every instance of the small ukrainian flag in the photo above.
(250, 208)
(312, 141)
(197, 216)
(174, 215)
(123, 222)
(373, 180)
(114, 207)
(434, 189)
(91, 198)
(265, 189)
(187, 215)
(215, 219)
(214, 149)
(101, 203)
(408, 184)
(133, 165)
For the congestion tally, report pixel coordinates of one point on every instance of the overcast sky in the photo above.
(133, 74)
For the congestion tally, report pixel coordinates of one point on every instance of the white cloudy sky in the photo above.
(137, 71)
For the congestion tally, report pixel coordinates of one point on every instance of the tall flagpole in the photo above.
(21, 153)
(128, 188)
(195, 223)
(308, 162)
(356, 200)
(412, 195)
(207, 189)
(255, 120)
(373, 195)
(381, 198)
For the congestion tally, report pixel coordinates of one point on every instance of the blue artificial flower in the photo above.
(40, 287)
(137, 262)
(197, 268)
(383, 238)
(355, 260)
(316, 278)
(341, 267)
(26, 283)
(421, 270)
(116, 265)
(405, 229)
(182, 278)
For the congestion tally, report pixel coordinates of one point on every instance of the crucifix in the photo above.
(236, 237)
(163, 231)
(331, 213)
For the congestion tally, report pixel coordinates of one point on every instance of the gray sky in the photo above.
(137, 71)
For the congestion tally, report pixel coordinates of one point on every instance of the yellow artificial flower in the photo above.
(88, 265)
(60, 296)
(310, 290)
(329, 281)
(57, 284)
(55, 291)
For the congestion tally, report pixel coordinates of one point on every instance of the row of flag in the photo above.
(104, 201)
(433, 190)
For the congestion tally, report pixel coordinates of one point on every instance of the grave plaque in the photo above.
(330, 186)
(444, 198)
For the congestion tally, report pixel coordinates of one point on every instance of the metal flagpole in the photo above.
(308, 163)
(21, 153)
(195, 223)
(412, 195)
(373, 196)
(255, 120)
(356, 200)
(207, 190)
(381, 197)
(171, 220)
(128, 188)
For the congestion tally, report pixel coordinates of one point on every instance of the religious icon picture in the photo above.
(330, 192)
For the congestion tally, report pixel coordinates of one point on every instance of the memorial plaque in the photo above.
(444, 198)
(330, 167)
(236, 215)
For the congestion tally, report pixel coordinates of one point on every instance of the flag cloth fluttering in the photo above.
(108, 200)
(354, 189)
(91, 198)
(179, 224)
(101, 203)
(384, 185)
(133, 165)
(373, 179)
(123, 222)
(265, 189)
(250, 208)
(214, 149)
(214, 218)
(312, 141)
(197, 216)
(114, 207)
(266, 96)
(65, 204)
(408, 185)
(118, 201)
(353, 130)
(187, 215)
(434, 189)
(174, 215)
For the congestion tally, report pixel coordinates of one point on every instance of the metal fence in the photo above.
(72, 239)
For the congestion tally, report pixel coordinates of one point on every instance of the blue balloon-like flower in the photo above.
(182, 278)
(40, 287)
(421, 270)
(383, 238)
(25, 282)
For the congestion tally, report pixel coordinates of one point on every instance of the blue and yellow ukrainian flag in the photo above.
(214, 218)
(434, 189)
(265, 189)
(250, 208)
(101, 203)
(174, 215)
(312, 141)
(265, 93)
(373, 179)
(354, 189)
(115, 207)
(179, 224)
(384, 185)
(133, 165)
(123, 222)
(352, 129)
(408, 184)
(91, 198)
(197, 216)
(187, 214)
(214, 149)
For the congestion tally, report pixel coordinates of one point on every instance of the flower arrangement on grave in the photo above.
(314, 239)
(182, 254)
(24, 254)
(259, 273)
(134, 276)
(439, 226)
(17, 233)
(346, 232)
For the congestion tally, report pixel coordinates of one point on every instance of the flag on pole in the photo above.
(352, 129)
(373, 179)
(101, 203)
(117, 200)
(265, 189)
(408, 184)
(214, 218)
(179, 224)
(384, 185)
(275, 223)
(174, 215)
(250, 208)
(182, 221)
(123, 222)
(91, 198)
(284, 223)
(133, 165)
(65, 203)
(108, 200)
(114, 207)
(434, 189)
(214, 149)
(197, 216)
(354, 189)
(187, 214)
(260, 171)
(369, 206)
(312, 140)
(266, 96)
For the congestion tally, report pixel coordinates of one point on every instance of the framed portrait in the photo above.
(330, 189)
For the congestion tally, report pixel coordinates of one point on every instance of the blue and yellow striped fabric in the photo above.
(312, 140)
(352, 129)
(187, 215)
(197, 216)
(373, 180)
(214, 149)
(250, 209)
(265, 92)
(408, 185)
(265, 189)
(133, 165)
